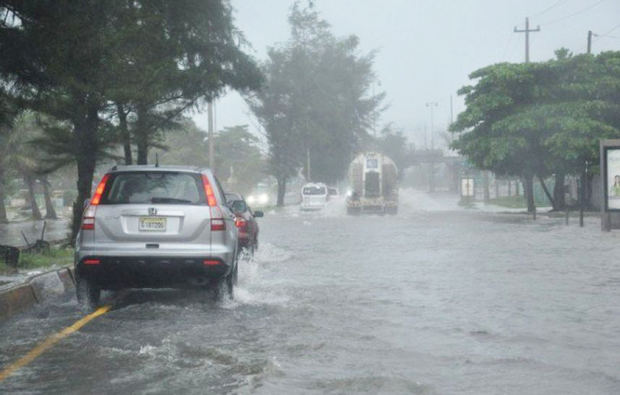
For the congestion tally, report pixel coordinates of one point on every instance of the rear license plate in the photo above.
(152, 224)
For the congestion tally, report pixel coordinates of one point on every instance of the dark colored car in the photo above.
(245, 220)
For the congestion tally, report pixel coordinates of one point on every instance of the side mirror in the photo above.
(86, 203)
(258, 214)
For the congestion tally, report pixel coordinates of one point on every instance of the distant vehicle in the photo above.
(156, 227)
(261, 196)
(332, 192)
(373, 179)
(313, 196)
(245, 221)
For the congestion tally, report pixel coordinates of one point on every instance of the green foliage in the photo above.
(55, 257)
(394, 144)
(169, 54)
(79, 62)
(238, 160)
(540, 118)
(315, 99)
(235, 148)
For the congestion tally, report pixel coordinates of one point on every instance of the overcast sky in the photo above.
(426, 48)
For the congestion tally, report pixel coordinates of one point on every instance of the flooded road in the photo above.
(434, 300)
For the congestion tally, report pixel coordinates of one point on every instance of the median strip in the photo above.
(50, 342)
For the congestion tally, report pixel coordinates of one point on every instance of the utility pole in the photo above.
(527, 32)
(211, 142)
(589, 41)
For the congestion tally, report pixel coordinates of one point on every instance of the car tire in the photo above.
(88, 294)
(225, 286)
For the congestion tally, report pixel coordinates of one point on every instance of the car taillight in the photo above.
(240, 222)
(88, 219)
(91, 261)
(217, 220)
(211, 201)
(210, 262)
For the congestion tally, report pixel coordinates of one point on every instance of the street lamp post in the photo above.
(431, 105)
(431, 175)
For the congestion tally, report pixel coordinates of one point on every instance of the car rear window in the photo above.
(154, 187)
(314, 191)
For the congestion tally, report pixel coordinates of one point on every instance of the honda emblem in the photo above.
(152, 211)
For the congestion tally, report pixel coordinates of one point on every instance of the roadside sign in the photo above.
(611, 160)
(467, 187)
(610, 184)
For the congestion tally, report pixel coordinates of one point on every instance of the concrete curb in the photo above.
(37, 289)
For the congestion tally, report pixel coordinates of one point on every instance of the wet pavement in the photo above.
(436, 300)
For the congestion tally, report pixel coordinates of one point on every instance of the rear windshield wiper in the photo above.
(169, 200)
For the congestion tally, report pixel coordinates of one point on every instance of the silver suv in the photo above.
(156, 227)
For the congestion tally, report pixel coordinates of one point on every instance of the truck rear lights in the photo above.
(91, 261)
(210, 262)
(211, 201)
(217, 219)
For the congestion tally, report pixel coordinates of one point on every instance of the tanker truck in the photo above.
(373, 183)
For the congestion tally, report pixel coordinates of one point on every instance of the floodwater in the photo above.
(436, 300)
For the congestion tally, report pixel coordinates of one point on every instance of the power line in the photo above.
(611, 30)
(552, 6)
(581, 11)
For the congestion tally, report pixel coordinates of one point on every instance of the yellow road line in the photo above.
(49, 343)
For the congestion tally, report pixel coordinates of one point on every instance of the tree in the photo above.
(188, 50)
(237, 157)
(155, 58)
(541, 119)
(315, 103)
(394, 144)
(491, 139)
(7, 113)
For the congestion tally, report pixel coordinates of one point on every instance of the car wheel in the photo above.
(224, 287)
(87, 293)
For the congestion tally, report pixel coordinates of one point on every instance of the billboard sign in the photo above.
(611, 162)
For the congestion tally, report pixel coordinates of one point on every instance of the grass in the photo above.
(55, 257)
(509, 201)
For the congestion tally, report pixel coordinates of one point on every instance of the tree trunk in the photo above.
(50, 212)
(496, 182)
(142, 135)
(485, 183)
(517, 188)
(281, 191)
(528, 189)
(125, 134)
(544, 187)
(589, 180)
(3, 217)
(86, 138)
(558, 192)
(36, 213)
(509, 187)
